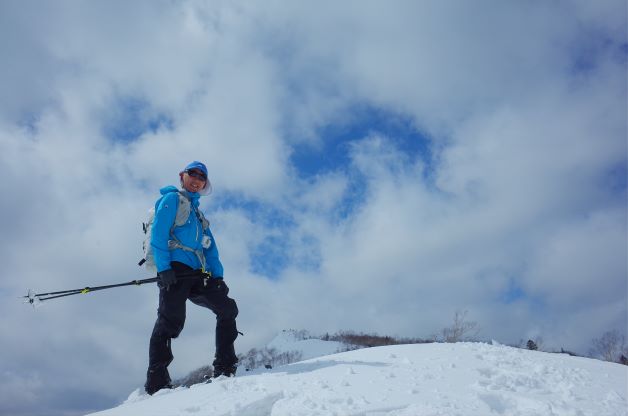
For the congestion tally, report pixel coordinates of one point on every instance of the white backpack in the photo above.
(183, 212)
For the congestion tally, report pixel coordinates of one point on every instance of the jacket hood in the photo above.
(168, 189)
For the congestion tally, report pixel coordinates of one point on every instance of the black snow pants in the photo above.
(209, 293)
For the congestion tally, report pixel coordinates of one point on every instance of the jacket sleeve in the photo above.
(165, 214)
(211, 257)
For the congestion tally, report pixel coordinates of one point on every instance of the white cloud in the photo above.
(578, 257)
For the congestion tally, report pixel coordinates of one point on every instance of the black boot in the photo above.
(224, 370)
(157, 379)
(225, 361)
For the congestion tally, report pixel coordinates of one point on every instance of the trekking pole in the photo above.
(33, 298)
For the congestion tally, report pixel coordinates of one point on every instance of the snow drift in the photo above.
(463, 379)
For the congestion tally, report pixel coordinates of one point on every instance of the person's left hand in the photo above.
(220, 285)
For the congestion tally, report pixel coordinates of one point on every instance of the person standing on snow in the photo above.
(188, 249)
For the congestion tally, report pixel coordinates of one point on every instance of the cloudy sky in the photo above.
(376, 166)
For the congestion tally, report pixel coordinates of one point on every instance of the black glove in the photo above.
(220, 285)
(166, 278)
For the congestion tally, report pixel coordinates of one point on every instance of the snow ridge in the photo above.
(463, 379)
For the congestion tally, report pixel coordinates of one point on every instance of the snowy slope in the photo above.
(406, 380)
(287, 341)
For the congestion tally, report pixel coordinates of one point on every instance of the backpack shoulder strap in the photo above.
(183, 210)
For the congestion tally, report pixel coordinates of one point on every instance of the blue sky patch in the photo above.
(130, 117)
(309, 160)
(617, 178)
(259, 212)
(28, 122)
(275, 252)
(270, 255)
(513, 293)
(335, 153)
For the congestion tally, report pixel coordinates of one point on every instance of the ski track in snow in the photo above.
(463, 379)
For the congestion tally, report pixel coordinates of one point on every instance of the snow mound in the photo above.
(289, 340)
(463, 379)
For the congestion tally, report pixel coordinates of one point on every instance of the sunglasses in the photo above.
(196, 174)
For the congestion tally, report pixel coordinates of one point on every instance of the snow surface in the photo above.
(463, 379)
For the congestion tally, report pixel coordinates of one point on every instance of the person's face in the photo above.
(193, 180)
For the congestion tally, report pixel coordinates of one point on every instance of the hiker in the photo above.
(188, 267)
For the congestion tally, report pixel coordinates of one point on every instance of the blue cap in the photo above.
(197, 165)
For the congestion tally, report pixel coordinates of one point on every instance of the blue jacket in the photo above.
(189, 234)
